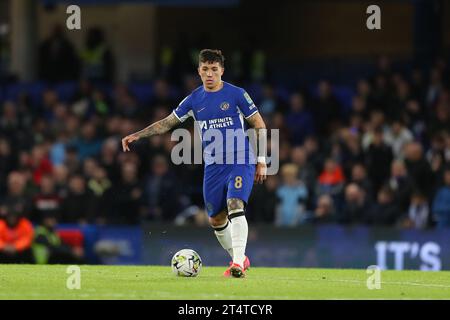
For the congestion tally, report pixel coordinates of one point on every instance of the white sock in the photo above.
(224, 237)
(239, 233)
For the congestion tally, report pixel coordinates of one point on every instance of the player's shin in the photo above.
(223, 234)
(239, 233)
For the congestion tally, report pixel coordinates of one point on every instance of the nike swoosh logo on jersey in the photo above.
(201, 109)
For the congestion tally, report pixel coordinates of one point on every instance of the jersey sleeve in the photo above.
(246, 104)
(184, 109)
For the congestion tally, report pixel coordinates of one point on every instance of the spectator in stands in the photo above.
(162, 191)
(88, 145)
(380, 94)
(359, 107)
(82, 97)
(26, 112)
(190, 177)
(97, 58)
(8, 162)
(277, 121)
(190, 83)
(269, 102)
(100, 106)
(401, 184)
(126, 197)
(434, 88)
(331, 180)
(298, 121)
(293, 196)
(436, 157)
(46, 201)
(307, 172)
(161, 95)
(72, 161)
(378, 160)
(90, 165)
(9, 121)
(99, 182)
(356, 206)
(98, 185)
(58, 60)
(108, 158)
(356, 125)
(16, 193)
(359, 176)
(165, 63)
(48, 246)
(364, 91)
(324, 211)
(73, 124)
(397, 136)
(327, 110)
(441, 202)
(440, 119)
(39, 162)
(419, 169)
(418, 215)
(263, 201)
(16, 236)
(79, 205)
(61, 114)
(61, 180)
(418, 85)
(57, 152)
(384, 211)
(447, 149)
(50, 100)
(376, 122)
(397, 104)
(284, 150)
(351, 150)
(126, 105)
(414, 116)
(313, 152)
(258, 64)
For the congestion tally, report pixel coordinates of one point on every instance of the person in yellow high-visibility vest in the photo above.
(98, 64)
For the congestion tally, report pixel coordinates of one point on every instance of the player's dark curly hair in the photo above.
(211, 56)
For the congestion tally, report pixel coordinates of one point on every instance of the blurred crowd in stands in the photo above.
(382, 159)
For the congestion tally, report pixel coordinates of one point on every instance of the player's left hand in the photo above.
(127, 140)
(261, 172)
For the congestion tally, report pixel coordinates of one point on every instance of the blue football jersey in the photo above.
(223, 111)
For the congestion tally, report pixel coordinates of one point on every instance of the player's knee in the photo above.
(235, 204)
(219, 220)
(220, 226)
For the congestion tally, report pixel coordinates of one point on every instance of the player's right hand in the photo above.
(261, 172)
(127, 140)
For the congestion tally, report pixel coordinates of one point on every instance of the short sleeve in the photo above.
(184, 109)
(246, 104)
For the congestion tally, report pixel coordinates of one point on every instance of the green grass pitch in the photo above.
(158, 282)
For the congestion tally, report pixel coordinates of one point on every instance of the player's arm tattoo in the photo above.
(257, 123)
(159, 127)
(235, 205)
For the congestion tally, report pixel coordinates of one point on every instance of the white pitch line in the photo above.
(388, 283)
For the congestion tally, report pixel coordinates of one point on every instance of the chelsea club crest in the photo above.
(224, 106)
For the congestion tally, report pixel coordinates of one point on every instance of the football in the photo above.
(186, 263)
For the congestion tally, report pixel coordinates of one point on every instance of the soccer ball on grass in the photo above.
(186, 263)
